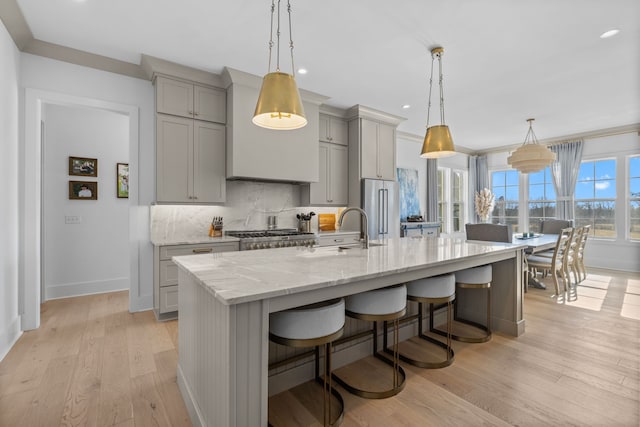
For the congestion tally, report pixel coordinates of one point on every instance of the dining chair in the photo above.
(579, 256)
(554, 226)
(489, 232)
(558, 264)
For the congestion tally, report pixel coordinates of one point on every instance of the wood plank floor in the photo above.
(92, 363)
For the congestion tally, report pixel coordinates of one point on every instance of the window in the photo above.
(504, 186)
(457, 200)
(596, 197)
(542, 198)
(442, 202)
(634, 198)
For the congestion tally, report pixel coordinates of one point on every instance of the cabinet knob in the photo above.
(196, 114)
(190, 112)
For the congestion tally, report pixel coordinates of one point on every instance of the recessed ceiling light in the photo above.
(609, 33)
(302, 71)
(406, 106)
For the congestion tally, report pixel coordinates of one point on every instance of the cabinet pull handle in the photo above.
(202, 251)
(338, 240)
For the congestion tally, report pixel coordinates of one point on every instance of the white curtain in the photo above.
(565, 173)
(432, 191)
(478, 179)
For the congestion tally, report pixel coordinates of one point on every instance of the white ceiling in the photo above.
(504, 60)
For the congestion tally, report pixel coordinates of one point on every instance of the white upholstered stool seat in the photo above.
(476, 278)
(432, 291)
(308, 322)
(379, 305)
(312, 326)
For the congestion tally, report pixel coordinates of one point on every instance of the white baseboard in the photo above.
(86, 288)
(9, 336)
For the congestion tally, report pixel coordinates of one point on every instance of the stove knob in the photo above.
(251, 246)
(264, 246)
(276, 245)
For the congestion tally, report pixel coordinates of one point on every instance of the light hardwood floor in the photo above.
(93, 363)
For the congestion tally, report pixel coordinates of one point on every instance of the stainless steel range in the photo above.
(280, 238)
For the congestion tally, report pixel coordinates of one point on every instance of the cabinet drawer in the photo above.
(169, 299)
(168, 273)
(340, 239)
(166, 252)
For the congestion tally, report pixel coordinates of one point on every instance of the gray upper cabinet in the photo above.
(334, 130)
(333, 186)
(190, 161)
(378, 150)
(185, 99)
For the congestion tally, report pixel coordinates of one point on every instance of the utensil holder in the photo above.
(304, 226)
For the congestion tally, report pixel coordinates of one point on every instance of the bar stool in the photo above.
(375, 306)
(432, 290)
(473, 278)
(312, 326)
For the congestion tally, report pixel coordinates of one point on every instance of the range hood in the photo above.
(259, 154)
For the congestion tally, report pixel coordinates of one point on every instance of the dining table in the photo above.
(536, 242)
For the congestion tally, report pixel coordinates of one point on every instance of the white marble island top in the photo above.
(240, 277)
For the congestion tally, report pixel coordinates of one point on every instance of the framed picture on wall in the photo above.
(82, 166)
(83, 190)
(122, 180)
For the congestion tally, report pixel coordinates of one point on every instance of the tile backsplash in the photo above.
(248, 205)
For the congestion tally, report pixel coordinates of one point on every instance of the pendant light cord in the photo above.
(440, 81)
(430, 87)
(293, 68)
(277, 43)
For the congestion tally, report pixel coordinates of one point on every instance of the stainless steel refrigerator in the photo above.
(381, 202)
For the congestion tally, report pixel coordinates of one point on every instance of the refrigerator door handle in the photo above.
(379, 224)
(386, 211)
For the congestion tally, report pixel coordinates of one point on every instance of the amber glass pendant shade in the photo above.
(279, 105)
(437, 143)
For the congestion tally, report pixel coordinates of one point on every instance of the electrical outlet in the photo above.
(72, 219)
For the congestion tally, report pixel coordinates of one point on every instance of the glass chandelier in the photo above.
(437, 142)
(531, 156)
(279, 106)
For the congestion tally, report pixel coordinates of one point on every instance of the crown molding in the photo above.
(16, 25)
(360, 111)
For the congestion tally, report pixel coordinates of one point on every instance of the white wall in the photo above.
(9, 72)
(618, 253)
(90, 256)
(40, 74)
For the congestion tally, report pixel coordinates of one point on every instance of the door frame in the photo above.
(30, 199)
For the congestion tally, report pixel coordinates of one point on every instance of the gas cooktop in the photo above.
(278, 238)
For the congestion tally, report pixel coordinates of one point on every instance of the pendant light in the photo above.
(531, 156)
(437, 142)
(279, 106)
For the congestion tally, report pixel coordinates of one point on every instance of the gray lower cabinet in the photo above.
(165, 274)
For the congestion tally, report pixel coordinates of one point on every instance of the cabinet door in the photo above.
(209, 171)
(324, 128)
(369, 149)
(338, 131)
(386, 152)
(174, 159)
(338, 175)
(319, 191)
(174, 97)
(168, 299)
(210, 104)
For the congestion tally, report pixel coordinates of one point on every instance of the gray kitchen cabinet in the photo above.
(190, 161)
(185, 99)
(378, 150)
(165, 273)
(333, 129)
(332, 187)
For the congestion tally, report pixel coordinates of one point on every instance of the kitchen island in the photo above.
(225, 301)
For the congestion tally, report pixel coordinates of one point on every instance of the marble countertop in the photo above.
(239, 277)
(192, 240)
(336, 232)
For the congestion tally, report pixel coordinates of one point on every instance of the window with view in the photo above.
(457, 200)
(634, 198)
(505, 187)
(542, 198)
(595, 197)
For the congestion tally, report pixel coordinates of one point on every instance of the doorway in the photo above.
(31, 199)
